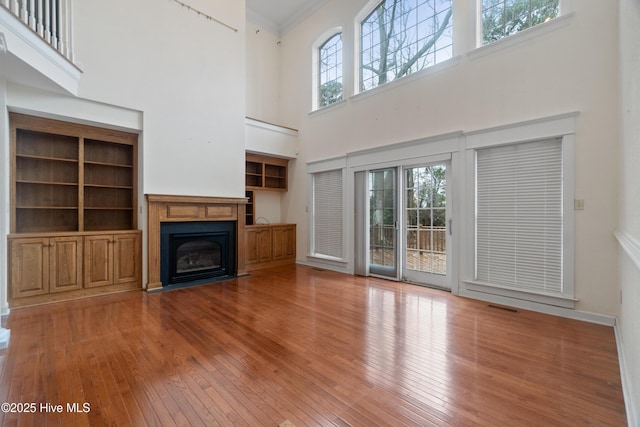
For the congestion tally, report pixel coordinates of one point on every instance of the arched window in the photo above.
(401, 37)
(330, 71)
(502, 18)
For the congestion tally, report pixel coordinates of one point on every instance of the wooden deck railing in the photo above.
(417, 238)
(424, 237)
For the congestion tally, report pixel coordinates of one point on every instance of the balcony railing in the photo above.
(50, 19)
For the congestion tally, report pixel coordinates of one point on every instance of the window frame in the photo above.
(364, 14)
(339, 66)
(315, 61)
(480, 23)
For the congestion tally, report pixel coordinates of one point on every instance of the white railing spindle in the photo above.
(40, 23)
(47, 20)
(62, 30)
(70, 29)
(24, 14)
(54, 27)
(32, 15)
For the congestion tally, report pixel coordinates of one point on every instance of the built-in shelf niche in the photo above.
(69, 177)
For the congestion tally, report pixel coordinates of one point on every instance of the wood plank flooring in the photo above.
(309, 346)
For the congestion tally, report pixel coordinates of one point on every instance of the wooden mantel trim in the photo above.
(169, 208)
(159, 198)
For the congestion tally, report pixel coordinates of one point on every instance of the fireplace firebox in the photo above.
(193, 253)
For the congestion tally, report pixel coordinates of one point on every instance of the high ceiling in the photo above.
(279, 16)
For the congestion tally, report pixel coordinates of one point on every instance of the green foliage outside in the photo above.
(330, 92)
(501, 18)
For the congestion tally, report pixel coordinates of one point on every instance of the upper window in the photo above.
(501, 18)
(401, 37)
(330, 71)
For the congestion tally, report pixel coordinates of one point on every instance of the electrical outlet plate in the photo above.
(286, 423)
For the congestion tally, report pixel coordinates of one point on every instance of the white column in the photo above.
(54, 27)
(4, 208)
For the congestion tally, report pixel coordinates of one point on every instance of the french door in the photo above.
(409, 223)
(426, 225)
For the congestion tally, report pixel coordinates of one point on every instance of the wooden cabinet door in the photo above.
(251, 246)
(98, 260)
(126, 267)
(264, 245)
(284, 242)
(65, 263)
(29, 267)
(258, 244)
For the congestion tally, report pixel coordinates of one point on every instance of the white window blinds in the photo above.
(519, 216)
(327, 214)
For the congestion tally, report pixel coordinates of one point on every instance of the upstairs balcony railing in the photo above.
(50, 19)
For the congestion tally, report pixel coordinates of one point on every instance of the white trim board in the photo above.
(630, 245)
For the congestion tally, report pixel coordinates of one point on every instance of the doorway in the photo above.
(408, 223)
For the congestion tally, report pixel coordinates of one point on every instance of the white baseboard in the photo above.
(568, 313)
(325, 265)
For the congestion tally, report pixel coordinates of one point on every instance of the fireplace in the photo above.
(197, 252)
(166, 210)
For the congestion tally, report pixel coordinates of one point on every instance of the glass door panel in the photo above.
(382, 222)
(425, 227)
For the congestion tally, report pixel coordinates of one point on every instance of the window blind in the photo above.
(327, 213)
(519, 216)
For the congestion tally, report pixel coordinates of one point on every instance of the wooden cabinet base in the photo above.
(53, 267)
(72, 295)
(270, 245)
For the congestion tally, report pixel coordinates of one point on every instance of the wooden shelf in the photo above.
(250, 208)
(64, 166)
(265, 173)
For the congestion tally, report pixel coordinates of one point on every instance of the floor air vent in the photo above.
(501, 307)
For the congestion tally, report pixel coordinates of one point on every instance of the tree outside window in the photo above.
(330, 71)
(401, 37)
(502, 18)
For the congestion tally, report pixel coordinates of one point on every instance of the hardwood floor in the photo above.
(308, 346)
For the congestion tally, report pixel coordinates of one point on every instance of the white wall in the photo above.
(268, 207)
(572, 68)
(185, 73)
(263, 74)
(629, 228)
